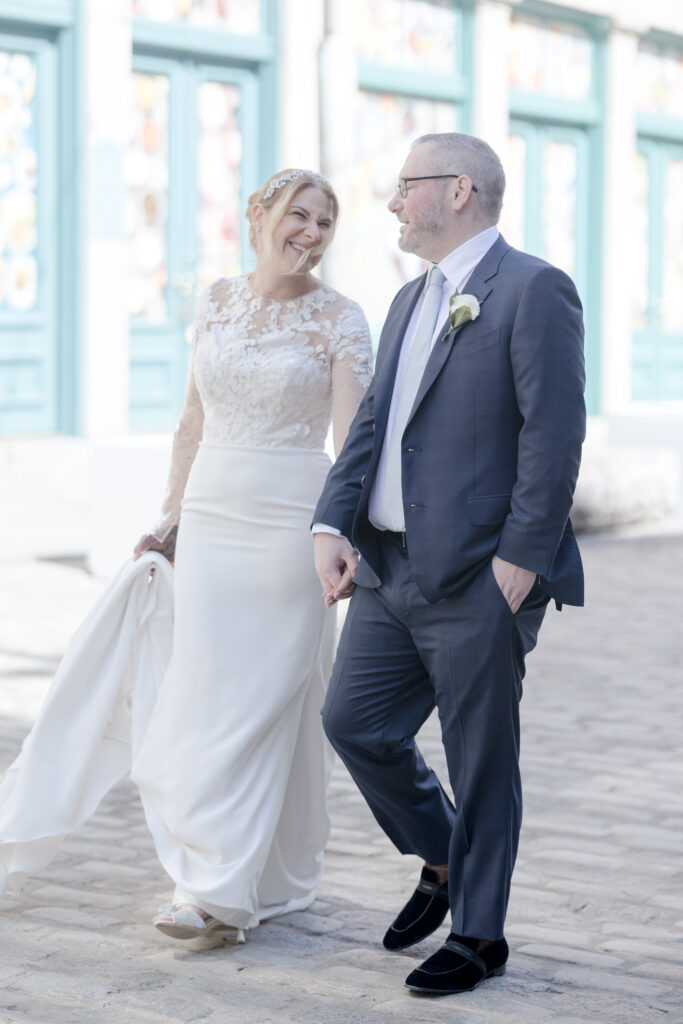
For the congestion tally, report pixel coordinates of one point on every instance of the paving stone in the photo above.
(312, 922)
(570, 954)
(62, 982)
(81, 896)
(67, 917)
(112, 869)
(611, 980)
(673, 951)
(523, 930)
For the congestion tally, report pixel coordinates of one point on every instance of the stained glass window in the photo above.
(640, 254)
(560, 167)
(386, 126)
(18, 182)
(660, 80)
(220, 160)
(410, 34)
(147, 205)
(553, 58)
(513, 215)
(672, 260)
(241, 16)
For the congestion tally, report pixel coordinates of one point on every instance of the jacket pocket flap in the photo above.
(472, 341)
(491, 509)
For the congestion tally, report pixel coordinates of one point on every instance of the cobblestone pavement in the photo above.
(596, 914)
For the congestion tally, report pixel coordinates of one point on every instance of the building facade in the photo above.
(132, 133)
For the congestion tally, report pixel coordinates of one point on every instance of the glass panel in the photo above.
(18, 183)
(513, 216)
(640, 257)
(553, 58)
(672, 260)
(387, 125)
(659, 83)
(220, 163)
(147, 202)
(559, 205)
(241, 16)
(410, 34)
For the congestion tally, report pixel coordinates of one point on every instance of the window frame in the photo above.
(587, 115)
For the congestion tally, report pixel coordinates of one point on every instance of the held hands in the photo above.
(166, 547)
(335, 563)
(514, 582)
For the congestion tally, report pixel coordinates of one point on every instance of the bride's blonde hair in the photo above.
(275, 197)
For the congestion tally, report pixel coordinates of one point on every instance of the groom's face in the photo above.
(425, 212)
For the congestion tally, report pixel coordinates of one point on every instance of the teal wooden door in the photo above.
(657, 287)
(29, 235)
(192, 162)
(547, 213)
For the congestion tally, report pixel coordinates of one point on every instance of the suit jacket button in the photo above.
(362, 480)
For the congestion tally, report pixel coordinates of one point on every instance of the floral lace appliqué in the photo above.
(265, 369)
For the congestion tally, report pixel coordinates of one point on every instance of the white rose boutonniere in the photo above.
(462, 308)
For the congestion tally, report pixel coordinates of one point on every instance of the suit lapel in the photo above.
(478, 285)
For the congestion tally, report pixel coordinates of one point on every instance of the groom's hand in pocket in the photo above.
(514, 582)
(336, 562)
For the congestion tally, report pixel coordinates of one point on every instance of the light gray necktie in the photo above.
(392, 515)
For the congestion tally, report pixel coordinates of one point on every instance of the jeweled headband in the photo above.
(283, 179)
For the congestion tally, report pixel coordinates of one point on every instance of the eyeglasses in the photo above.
(402, 186)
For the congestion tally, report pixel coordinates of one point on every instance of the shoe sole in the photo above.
(186, 931)
(496, 973)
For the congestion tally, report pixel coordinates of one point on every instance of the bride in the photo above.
(232, 767)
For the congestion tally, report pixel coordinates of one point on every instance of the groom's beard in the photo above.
(422, 230)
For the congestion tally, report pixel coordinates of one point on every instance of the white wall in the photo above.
(107, 52)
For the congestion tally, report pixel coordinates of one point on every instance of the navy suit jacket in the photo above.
(491, 451)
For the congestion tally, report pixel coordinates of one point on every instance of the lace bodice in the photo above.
(268, 373)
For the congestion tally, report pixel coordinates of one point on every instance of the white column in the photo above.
(120, 510)
(617, 190)
(302, 31)
(107, 53)
(491, 109)
(338, 111)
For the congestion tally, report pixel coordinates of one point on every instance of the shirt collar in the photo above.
(459, 264)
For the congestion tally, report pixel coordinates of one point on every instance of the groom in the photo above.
(454, 485)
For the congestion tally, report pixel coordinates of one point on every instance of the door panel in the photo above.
(219, 214)
(657, 368)
(546, 213)
(28, 235)
(187, 164)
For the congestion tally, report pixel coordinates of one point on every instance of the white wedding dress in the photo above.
(232, 768)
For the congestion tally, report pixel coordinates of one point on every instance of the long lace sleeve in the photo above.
(186, 438)
(351, 369)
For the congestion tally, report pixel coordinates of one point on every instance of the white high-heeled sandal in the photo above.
(181, 921)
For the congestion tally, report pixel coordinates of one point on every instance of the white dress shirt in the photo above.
(456, 268)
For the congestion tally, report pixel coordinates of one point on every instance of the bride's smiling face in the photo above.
(305, 227)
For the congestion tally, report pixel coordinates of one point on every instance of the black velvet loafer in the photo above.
(456, 967)
(422, 914)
